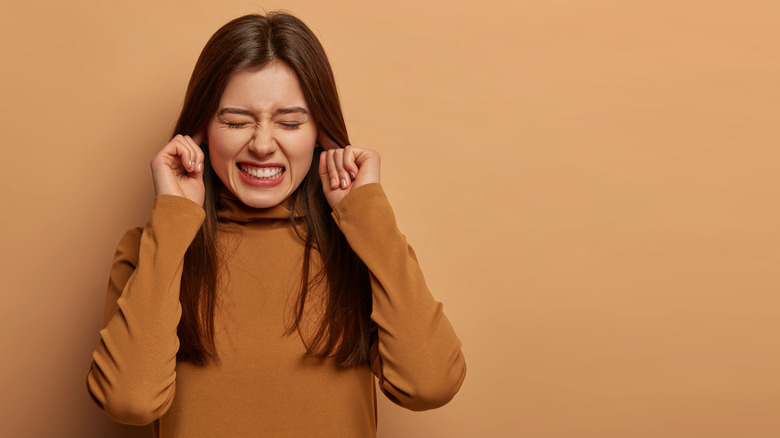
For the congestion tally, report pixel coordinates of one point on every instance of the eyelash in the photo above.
(241, 125)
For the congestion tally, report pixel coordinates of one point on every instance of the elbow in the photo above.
(433, 392)
(131, 412)
(429, 399)
(126, 405)
(132, 415)
(437, 394)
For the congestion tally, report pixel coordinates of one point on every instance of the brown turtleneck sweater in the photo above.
(264, 384)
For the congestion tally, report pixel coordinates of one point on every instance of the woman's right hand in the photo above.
(178, 168)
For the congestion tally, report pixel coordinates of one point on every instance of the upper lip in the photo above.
(260, 165)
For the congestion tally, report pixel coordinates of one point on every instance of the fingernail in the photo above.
(353, 175)
(334, 183)
(192, 165)
(200, 166)
(343, 184)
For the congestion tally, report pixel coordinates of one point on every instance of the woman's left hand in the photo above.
(343, 170)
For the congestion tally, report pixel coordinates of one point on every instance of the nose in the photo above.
(263, 142)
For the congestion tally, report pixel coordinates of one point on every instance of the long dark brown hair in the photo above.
(248, 43)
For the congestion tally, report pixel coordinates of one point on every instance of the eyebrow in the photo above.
(246, 112)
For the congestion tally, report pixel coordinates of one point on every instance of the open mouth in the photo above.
(263, 174)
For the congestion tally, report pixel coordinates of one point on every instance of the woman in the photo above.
(270, 284)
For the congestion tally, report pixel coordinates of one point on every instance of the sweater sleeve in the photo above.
(415, 353)
(132, 376)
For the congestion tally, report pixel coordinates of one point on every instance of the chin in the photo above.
(261, 201)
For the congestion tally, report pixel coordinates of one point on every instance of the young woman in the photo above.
(270, 283)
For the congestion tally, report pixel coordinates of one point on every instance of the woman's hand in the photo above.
(178, 168)
(343, 170)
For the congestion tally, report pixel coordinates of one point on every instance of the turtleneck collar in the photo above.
(232, 209)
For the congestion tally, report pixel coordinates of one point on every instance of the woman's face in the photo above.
(262, 138)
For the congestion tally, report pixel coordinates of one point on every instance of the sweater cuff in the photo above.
(177, 214)
(173, 202)
(358, 200)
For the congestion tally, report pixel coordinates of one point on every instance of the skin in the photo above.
(262, 118)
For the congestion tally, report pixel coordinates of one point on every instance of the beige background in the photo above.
(591, 188)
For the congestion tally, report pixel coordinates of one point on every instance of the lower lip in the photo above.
(261, 182)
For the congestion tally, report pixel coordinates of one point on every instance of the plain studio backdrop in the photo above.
(592, 189)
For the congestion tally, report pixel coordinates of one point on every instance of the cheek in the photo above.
(303, 165)
(220, 153)
(297, 145)
(302, 154)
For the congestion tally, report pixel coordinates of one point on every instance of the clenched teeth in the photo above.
(266, 172)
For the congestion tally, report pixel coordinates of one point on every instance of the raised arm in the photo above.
(132, 375)
(415, 353)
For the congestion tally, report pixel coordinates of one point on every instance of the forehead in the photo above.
(262, 90)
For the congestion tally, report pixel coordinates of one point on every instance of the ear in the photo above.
(325, 141)
(200, 137)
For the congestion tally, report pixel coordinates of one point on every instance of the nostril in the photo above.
(262, 145)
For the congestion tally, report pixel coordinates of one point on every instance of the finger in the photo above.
(188, 155)
(198, 139)
(174, 152)
(326, 141)
(323, 170)
(189, 159)
(194, 153)
(194, 171)
(332, 172)
(350, 164)
(197, 153)
(343, 176)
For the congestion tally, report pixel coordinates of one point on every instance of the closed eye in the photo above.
(235, 125)
(290, 125)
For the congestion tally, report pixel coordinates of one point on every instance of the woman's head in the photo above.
(238, 68)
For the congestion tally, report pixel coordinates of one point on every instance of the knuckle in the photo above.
(156, 161)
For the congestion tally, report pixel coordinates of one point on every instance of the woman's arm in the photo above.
(132, 375)
(415, 353)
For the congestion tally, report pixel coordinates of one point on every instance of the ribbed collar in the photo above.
(232, 209)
